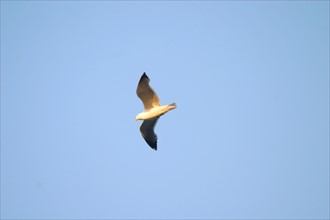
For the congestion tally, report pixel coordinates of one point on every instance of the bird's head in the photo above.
(138, 117)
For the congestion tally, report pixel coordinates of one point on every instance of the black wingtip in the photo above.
(144, 75)
(153, 145)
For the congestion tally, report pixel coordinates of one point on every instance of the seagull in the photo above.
(152, 110)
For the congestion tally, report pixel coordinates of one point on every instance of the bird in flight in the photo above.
(152, 110)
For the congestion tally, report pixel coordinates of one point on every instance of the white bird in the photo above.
(152, 110)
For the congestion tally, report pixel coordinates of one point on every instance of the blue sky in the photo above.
(249, 139)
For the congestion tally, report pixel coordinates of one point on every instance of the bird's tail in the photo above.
(172, 106)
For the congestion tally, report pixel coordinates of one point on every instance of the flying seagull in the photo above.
(152, 110)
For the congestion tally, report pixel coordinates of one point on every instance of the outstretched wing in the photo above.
(147, 131)
(146, 93)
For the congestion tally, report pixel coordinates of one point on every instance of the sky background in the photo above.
(249, 139)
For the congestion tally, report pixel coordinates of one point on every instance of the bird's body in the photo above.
(152, 110)
(156, 111)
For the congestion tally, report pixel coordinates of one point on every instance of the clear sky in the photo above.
(249, 139)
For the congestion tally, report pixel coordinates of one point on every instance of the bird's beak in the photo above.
(135, 120)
